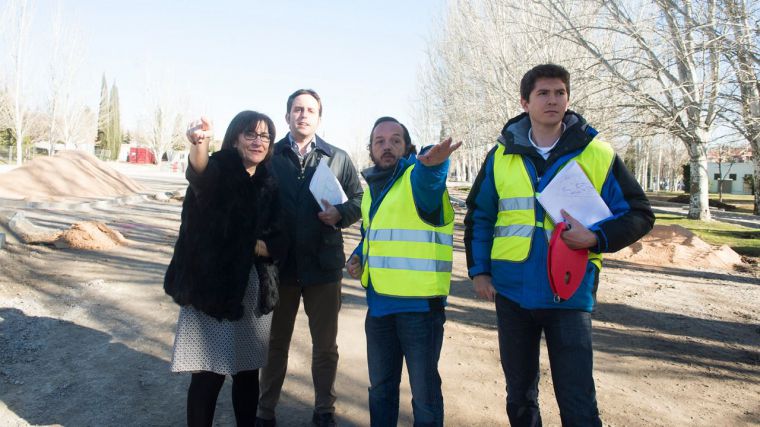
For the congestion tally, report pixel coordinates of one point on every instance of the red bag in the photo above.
(566, 266)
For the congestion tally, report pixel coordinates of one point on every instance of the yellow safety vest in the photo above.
(404, 255)
(516, 221)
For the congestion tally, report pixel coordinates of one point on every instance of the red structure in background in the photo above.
(141, 155)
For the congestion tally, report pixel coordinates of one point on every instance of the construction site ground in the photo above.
(86, 335)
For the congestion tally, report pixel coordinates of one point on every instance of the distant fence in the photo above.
(102, 153)
(8, 154)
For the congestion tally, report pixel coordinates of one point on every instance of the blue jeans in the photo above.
(416, 338)
(568, 339)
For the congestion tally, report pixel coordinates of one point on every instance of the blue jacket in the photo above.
(527, 283)
(428, 185)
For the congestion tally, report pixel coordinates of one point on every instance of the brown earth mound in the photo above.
(68, 174)
(676, 246)
(90, 235)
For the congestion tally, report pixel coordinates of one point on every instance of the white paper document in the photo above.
(324, 185)
(572, 191)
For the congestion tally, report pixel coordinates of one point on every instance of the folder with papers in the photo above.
(572, 191)
(324, 185)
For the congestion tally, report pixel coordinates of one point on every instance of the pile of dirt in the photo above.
(676, 246)
(90, 235)
(68, 174)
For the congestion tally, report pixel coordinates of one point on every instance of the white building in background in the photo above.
(44, 146)
(734, 172)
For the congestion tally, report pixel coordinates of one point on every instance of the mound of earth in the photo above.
(676, 246)
(68, 174)
(90, 235)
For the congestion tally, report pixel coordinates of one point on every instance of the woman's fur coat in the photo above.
(224, 212)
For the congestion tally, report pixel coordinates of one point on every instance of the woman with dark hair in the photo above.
(223, 272)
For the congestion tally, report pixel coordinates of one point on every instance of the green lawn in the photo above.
(743, 202)
(745, 241)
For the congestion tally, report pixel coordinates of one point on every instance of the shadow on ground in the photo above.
(51, 366)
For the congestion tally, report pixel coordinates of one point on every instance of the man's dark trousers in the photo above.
(568, 339)
(416, 338)
(322, 305)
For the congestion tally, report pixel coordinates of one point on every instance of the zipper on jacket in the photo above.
(534, 183)
(366, 260)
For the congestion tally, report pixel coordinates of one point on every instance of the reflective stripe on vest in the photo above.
(412, 236)
(516, 220)
(403, 255)
(400, 263)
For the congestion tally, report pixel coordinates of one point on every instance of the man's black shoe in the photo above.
(262, 422)
(323, 420)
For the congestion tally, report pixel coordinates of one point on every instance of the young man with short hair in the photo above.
(506, 239)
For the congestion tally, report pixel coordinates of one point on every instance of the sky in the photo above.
(219, 58)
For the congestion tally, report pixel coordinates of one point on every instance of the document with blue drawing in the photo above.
(572, 191)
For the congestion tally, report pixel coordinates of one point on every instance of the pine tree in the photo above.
(115, 124)
(103, 116)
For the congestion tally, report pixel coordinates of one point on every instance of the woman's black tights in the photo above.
(204, 389)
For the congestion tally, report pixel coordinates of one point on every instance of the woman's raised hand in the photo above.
(199, 134)
(199, 131)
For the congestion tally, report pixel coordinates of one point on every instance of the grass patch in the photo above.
(738, 202)
(745, 241)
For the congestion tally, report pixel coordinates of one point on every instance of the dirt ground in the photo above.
(86, 337)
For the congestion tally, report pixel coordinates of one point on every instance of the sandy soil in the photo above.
(86, 337)
(67, 174)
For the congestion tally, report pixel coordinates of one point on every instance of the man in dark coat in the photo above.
(314, 268)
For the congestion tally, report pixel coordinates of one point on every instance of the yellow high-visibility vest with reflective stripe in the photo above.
(516, 220)
(403, 255)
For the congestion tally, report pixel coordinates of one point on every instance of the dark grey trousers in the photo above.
(321, 304)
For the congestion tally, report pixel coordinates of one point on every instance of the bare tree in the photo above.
(164, 126)
(666, 163)
(165, 129)
(68, 113)
(425, 124)
(663, 60)
(677, 157)
(741, 42)
(359, 154)
(475, 63)
(17, 23)
(5, 109)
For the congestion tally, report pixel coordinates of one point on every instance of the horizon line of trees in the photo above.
(63, 116)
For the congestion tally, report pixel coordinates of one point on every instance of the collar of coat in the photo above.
(577, 135)
(230, 163)
(319, 144)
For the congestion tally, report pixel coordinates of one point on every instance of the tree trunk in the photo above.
(645, 172)
(720, 177)
(475, 162)
(756, 185)
(658, 177)
(747, 75)
(699, 204)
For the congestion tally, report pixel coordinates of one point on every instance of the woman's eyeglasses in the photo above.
(252, 136)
